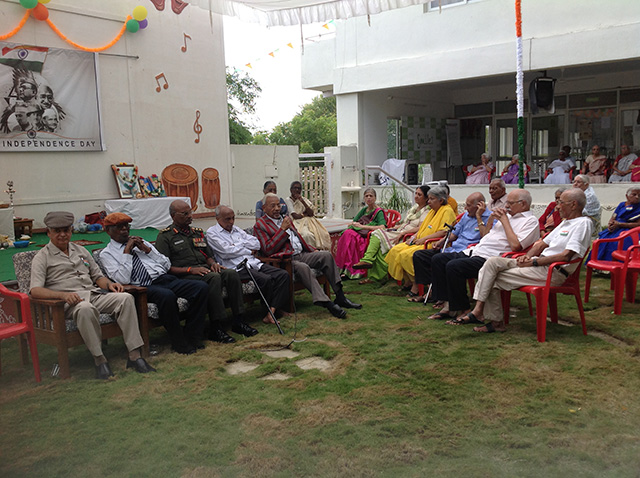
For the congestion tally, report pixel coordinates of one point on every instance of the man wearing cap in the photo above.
(192, 259)
(63, 270)
(34, 116)
(132, 260)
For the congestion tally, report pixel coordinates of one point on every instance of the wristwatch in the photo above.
(481, 224)
(534, 261)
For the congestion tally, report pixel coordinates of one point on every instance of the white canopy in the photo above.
(294, 12)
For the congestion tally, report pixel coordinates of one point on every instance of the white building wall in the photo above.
(140, 125)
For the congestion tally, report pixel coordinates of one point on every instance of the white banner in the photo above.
(48, 100)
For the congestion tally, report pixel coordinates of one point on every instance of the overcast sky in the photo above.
(279, 76)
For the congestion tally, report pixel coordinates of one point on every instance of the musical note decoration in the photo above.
(166, 83)
(184, 48)
(197, 127)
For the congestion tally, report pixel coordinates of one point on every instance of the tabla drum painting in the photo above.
(181, 180)
(210, 188)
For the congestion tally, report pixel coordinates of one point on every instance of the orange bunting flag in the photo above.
(326, 25)
(289, 45)
(249, 65)
(272, 55)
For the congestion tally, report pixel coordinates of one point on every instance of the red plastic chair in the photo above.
(615, 267)
(10, 326)
(630, 272)
(546, 297)
(392, 217)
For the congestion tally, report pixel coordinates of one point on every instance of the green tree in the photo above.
(242, 93)
(314, 128)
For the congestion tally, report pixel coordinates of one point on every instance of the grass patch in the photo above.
(404, 396)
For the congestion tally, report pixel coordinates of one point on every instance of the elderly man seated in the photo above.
(192, 259)
(63, 270)
(498, 193)
(463, 235)
(516, 229)
(278, 238)
(568, 241)
(132, 260)
(233, 248)
(592, 208)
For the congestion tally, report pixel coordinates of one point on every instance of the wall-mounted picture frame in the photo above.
(126, 176)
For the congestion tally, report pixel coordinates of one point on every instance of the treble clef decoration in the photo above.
(197, 127)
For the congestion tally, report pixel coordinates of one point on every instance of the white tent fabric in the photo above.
(294, 12)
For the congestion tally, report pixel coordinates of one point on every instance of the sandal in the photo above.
(411, 295)
(365, 281)
(489, 328)
(416, 298)
(467, 319)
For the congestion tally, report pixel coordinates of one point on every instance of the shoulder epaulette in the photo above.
(165, 229)
(197, 229)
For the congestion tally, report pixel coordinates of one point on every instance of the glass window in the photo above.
(631, 129)
(589, 127)
(393, 138)
(437, 4)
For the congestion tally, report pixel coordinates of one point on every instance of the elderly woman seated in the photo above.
(309, 227)
(624, 166)
(400, 257)
(382, 240)
(595, 166)
(481, 173)
(353, 241)
(270, 187)
(511, 172)
(550, 218)
(626, 216)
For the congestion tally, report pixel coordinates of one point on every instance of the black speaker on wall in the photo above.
(541, 92)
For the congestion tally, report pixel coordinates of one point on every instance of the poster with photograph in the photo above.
(49, 99)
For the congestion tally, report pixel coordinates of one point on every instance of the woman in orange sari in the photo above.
(595, 165)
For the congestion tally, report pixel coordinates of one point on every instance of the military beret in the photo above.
(116, 218)
(56, 219)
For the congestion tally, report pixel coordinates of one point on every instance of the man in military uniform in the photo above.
(192, 258)
(64, 270)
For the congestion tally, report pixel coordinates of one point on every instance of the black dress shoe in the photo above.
(337, 311)
(140, 365)
(347, 304)
(244, 329)
(221, 336)
(184, 349)
(197, 343)
(103, 371)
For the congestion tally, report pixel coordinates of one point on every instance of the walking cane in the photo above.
(248, 269)
(444, 246)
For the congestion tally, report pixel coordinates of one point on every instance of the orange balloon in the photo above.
(40, 12)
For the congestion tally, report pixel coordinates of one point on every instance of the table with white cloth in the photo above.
(145, 212)
(6, 222)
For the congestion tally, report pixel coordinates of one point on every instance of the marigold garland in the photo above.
(16, 29)
(102, 48)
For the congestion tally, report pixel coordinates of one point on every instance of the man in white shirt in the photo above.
(515, 229)
(568, 241)
(132, 260)
(232, 246)
(592, 208)
(498, 193)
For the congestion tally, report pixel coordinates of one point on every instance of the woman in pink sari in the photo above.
(481, 173)
(353, 241)
(595, 165)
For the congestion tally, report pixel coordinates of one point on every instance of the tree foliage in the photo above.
(242, 93)
(314, 128)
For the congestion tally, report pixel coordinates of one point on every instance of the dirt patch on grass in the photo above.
(276, 376)
(285, 353)
(240, 367)
(315, 413)
(314, 363)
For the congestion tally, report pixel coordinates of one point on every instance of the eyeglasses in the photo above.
(560, 201)
(122, 226)
(511, 203)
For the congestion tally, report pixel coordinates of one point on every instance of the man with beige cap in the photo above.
(64, 270)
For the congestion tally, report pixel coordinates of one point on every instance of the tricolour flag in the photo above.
(24, 57)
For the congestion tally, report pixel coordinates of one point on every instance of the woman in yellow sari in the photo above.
(400, 257)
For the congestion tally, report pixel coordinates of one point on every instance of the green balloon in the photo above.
(132, 25)
(29, 3)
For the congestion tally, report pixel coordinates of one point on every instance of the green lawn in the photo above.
(404, 397)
